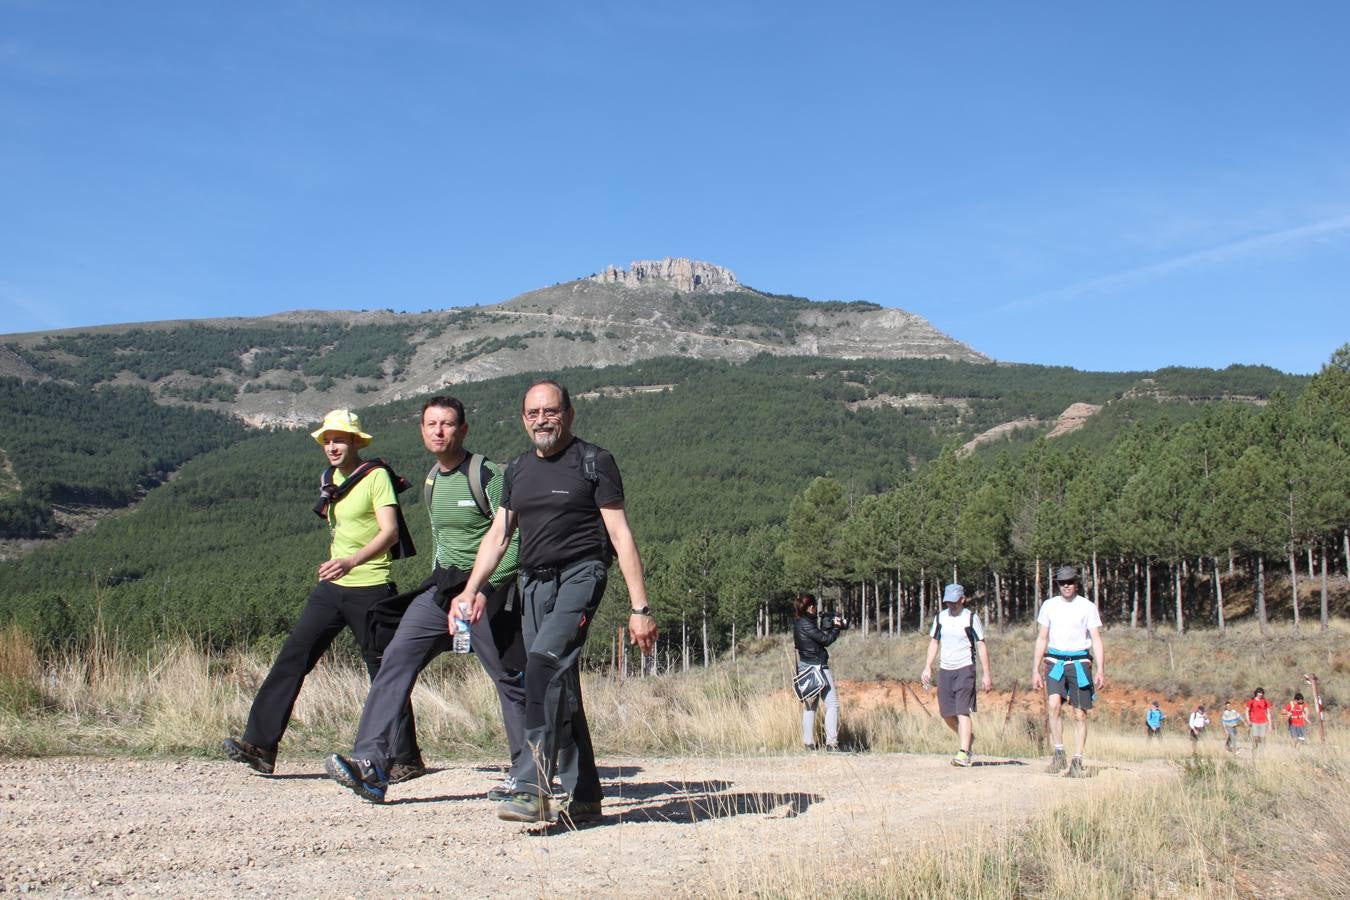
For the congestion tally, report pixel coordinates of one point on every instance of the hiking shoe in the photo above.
(251, 755)
(832, 748)
(504, 790)
(400, 772)
(523, 806)
(1076, 768)
(962, 759)
(361, 777)
(578, 811)
(1058, 763)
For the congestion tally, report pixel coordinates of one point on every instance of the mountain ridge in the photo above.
(614, 317)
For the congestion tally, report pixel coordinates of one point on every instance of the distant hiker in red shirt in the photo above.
(1296, 712)
(1258, 717)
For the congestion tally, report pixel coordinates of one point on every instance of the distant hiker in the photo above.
(1230, 719)
(957, 641)
(1197, 723)
(566, 496)
(360, 502)
(461, 493)
(813, 664)
(1153, 720)
(1069, 645)
(1296, 712)
(1258, 717)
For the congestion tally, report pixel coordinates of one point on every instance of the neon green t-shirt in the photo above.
(353, 525)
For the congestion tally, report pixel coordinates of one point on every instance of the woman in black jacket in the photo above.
(811, 642)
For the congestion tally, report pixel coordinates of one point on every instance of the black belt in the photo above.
(552, 573)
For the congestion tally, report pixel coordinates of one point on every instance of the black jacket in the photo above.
(811, 641)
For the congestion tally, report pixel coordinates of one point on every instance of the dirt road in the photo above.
(203, 828)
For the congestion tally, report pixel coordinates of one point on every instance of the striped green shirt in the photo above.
(458, 527)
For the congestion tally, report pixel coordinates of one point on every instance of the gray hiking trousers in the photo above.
(559, 607)
(423, 634)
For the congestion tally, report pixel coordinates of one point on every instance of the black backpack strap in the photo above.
(429, 486)
(970, 633)
(588, 452)
(330, 494)
(588, 471)
(937, 627)
(478, 484)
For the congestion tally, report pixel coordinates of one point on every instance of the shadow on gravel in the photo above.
(439, 798)
(996, 762)
(652, 789)
(690, 808)
(688, 802)
(618, 771)
(297, 776)
(706, 807)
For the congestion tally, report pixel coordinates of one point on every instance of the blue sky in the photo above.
(1113, 186)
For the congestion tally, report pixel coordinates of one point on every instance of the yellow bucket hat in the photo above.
(342, 420)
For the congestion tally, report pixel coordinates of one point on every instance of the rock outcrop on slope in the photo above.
(678, 272)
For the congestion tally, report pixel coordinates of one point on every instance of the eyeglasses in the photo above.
(548, 412)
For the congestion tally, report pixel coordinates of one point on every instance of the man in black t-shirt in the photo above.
(566, 497)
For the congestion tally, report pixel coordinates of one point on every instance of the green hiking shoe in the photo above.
(1058, 763)
(523, 806)
(962, 759)
(578, 811)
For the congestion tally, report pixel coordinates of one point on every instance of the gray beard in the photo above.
(547, 443)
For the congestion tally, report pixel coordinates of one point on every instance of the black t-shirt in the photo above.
(557, 509)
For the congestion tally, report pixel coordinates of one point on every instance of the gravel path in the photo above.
(209, 829)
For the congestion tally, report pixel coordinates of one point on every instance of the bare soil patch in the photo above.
(206, 828)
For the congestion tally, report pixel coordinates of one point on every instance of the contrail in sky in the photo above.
(1223, 252)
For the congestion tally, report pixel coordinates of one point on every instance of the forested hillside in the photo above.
(68, 444)
(1157, 516)
(744, 482)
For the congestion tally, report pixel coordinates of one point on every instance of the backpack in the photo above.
(479, 476)
(969, 627)
(330, 494)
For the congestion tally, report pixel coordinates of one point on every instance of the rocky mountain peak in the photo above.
(675, 271)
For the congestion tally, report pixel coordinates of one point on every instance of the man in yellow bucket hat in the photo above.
(360, 502)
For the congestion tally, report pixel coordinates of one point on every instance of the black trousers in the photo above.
(329, 609)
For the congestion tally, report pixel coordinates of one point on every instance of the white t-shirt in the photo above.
(1199, 720)
(954, 642)
(1069, 622)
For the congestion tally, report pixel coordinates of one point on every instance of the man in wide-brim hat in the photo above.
(1069, 646)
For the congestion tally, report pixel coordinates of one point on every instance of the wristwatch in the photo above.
(644, 611)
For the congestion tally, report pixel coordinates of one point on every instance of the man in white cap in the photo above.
(1069, 644)
(957, 640)
(359, 500)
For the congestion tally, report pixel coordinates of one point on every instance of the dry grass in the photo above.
(175, 698)
(1278, 827)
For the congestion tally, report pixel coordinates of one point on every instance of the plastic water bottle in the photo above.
(460, 642)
